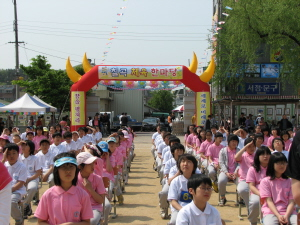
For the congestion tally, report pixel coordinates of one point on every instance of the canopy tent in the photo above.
(1, 104)
(52, 108)
(179, 109)
(27, 104)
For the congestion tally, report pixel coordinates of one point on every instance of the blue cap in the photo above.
(111, 139)
(65, 160)
(103, 145)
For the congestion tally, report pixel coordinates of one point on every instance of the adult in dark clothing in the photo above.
(285, 123)
(96, 122)
(208, 124)
(124, 120)
(162, 119)
(106, 121)
(242, 120)
(2, 125)
(293, 169)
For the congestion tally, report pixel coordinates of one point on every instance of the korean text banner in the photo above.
(203, 107)
(262, 88)
(140, 72)
(78, 104)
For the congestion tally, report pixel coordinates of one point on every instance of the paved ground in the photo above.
(141, 197)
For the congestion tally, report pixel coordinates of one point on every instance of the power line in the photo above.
(94, 24)
(104, 38)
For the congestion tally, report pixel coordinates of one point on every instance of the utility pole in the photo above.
(16, 42)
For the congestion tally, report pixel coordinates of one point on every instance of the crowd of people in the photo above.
(84, 173)
(254, 159)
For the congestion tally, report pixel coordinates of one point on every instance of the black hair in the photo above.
(208, 131)
(188, 129)
(166, 135)
(84, 129)
(265, 129)
(176, 146)
(44, 141)
(120, 133)
(247, 141)
(256, 136)
(277, 139)
(30, 132)
(163, 129)
(174, 139)
(214, 126)
(187, 157)
(277, 130)
(275, 158)
(199, 136)
(67, 134)
(57, 181)
(39, 128)
(218, 134)
(58, 125)
(285, 132)
(31, 146)
(57, 134)
(232, 137)
(95, 153)
(260, 151)
(196, 180)
(10, 147)
(16, 135)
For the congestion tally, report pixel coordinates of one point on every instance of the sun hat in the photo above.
(5, 137)
(111, 139)
(103, 145)
(85, 157)
(125, 134)
(65, 160)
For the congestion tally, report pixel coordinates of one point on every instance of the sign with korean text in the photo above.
(203, 107)
(262, 88)
(78, 105)
(140, 72)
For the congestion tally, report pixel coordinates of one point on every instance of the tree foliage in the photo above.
(251, 32)
(52, 86)
(162, 100)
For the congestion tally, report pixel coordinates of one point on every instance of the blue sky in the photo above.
(151, 32)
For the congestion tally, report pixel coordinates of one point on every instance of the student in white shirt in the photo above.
(34, 170)
(178, 195)
(77, 140)
(57, 148)
(18, 173)
(97, 135)
(199, 211)
(69, 143)
(46, 159)
(82, 131)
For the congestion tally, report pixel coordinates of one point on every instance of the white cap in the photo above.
(85, 157)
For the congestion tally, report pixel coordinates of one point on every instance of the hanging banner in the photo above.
(78, 104)
(203, 107)
(140, 73)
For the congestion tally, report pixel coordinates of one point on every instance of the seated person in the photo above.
(278, 146)
(57, 148)
(69, 143)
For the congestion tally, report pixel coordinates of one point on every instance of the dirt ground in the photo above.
(141, 197)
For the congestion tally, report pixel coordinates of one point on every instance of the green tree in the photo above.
(52, 86)
(162, 100)
(252, 31)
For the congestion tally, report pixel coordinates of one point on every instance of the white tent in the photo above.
(52, 108)
(27, 104)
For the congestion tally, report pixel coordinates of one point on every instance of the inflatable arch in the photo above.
(93, 75)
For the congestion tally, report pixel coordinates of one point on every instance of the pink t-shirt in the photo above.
(95, 122)
(266, 138)
(231, 161)
(97, 185)
(287, 145)
(5, 178)
(118, 157)
(280, 191)
(109, 175)
(186, 136)
(189, 139)
(204, 147)
(198, 143)
(245, 163)
(98, 169)
(58, 206)
(123, 147)
(36, 141)
(213, 151)
(256, 177)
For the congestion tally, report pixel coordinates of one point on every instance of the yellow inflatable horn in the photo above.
(194, 65)
(209, 72)
(72, 74)
(86, 64)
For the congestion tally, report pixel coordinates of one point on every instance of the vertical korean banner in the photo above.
(202, 107)
(78, 106)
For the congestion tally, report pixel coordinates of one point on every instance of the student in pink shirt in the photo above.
(91, 183)
(189, 140)
(276, 193)
(275, 134)
(213, 158)
(188, 132)
(254, 176)
(266, 134)
(108, 160)
(228, 166)
(245, 158)
(39, 135)
(204, 147)
(285, 136)
(3, 141)
(200, 139)
(259, 140)
(65, 203)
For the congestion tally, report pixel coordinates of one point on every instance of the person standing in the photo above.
(2, 125)
(124, 120)
(242, 119)
(208, 123)
(285, 123)
(194, 119)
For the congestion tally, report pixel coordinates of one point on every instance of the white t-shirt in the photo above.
(45, 160)
(158, 140)
(169, 164)
(154, 135)
(178, 191)
(97, 136)
(18, 172)
(32, 164)
(86, 139)
(160, 147)
(165, 150)
(71, 146)
(241, 142)
(79, 144)
(57, 149)
(286, 153)
(224, 140)
(167, 156)
(192, 215)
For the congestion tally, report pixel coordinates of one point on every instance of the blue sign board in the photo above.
(270, 70)
(262, 88)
